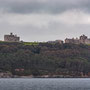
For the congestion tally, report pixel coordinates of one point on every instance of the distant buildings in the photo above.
(11, 38)
(57, 41)
(82, 40)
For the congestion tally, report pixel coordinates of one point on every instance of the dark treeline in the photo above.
(44, 59)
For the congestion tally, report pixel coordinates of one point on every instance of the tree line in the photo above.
(44, 59)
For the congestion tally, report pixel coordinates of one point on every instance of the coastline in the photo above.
(43, 76)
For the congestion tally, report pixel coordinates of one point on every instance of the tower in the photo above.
(11, 38)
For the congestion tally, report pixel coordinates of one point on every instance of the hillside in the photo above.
(41, 59)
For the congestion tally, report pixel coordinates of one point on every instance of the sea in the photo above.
(45, 84)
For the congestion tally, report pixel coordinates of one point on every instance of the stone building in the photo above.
(74, 41)
(11, 38)
(82, 39)
(59, 41)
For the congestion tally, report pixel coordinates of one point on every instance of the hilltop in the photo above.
(45, 59)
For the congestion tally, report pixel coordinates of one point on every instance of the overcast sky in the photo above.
(44, 20)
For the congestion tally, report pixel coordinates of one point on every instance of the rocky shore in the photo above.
(9, 75)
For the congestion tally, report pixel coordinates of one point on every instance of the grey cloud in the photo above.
(40, 6)
(53, 29)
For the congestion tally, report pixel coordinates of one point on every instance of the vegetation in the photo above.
(30, 43)
(44, 59)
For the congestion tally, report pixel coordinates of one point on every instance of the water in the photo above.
(45, 84)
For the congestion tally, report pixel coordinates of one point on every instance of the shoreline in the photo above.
(44, 77)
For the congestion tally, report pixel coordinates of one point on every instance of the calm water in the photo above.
(44, 84)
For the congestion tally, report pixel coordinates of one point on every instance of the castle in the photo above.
(82, 40)
(11, 38)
